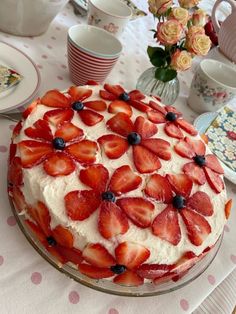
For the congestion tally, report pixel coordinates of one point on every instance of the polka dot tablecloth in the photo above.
(28, 284)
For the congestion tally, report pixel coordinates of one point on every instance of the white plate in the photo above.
(202, 123)
(23, 92)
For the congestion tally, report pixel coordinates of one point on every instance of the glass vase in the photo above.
(150, 86)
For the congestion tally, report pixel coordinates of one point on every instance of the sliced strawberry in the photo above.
(54, 98)
(112, 221)
(37, 231)
(114, 146)
(145, 161)
(81, 204)
(95, 176)
(18, 199)
(92, 82)
(120, 106)
(197, 227)
(59, 164)
(84, 151)
(180, 183)
(138, 209)
(170, 108)
(12, 152)
(139, 105)
(213, 163)
(183, 149)
(173, 131)
(97, 255)
(33, 153)
(58, 116)
(124, 180)
(97, 105)
(63, 236)
(214, 180)
(90, 117)
(40, 130)
(144, 127)
(152, 271)
(128, 278)
(69, 132)
(17, 129)
(30, 108)
(15, 175)
(165, 278)
(159, 147)
(79, 93)
(186, 261)
(120, 124)
(204, 138)
(114, 89)
(198, 146)
(201, 203)
(158, 187)
(195, 173)
(106, 95)
(54, 251)
(136, 95)
(166, 225)
(131, 254)
(156, 117)
(187, 127)
(157, 106)
(95, 272)
(72, 255)
(43, 217)
(228, 207)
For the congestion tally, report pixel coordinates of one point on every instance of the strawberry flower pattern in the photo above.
(99, 263)
(146, 150)
(80, 204)
(58, 153)
(203, 167)
(74, 101)
(175, 191)
(57, 241)
(172, 118)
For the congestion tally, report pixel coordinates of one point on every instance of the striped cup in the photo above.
(92, 53)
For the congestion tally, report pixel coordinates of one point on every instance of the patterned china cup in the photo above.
(213, 86)
(112, 15)
(92, 53)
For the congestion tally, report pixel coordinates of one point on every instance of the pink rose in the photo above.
(199, 17)
(159, 6)
(181, 60)
(188, 4)
(169, 32)
(198, 44)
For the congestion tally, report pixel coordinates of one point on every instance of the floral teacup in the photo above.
(213, 86)
(109, 15)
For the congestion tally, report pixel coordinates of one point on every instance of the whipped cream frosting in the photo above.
(38, 186)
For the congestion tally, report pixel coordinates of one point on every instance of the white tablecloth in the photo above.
(28, 284)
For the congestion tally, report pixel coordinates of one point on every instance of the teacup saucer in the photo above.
(202, 123)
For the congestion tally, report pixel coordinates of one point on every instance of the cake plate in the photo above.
(147, 289)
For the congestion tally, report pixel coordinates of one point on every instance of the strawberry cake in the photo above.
(116, 184)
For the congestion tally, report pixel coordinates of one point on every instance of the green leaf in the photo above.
(153, 30)
(167, 13)
(152, 50)
(165, 74)
(158, 58)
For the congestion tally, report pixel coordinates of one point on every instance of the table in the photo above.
(28, 284)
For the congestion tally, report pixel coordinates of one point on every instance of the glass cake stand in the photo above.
(147, 289)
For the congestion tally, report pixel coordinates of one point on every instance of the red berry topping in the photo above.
(114, 146)
(59, 164)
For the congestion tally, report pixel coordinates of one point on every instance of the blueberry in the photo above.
(118, 269)
(171, 116)
(178, 201)
(51, 241)
(58, 143)
(134, 138)
(108, 196)
(78, 106)
(124, 96)
(200, 160)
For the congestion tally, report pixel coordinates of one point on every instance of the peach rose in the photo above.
(159, 6)
(199, 17)
(199, 44)
(169, 32)
(195, 30)
(188, 4)
(181, 60)
(179, 14)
